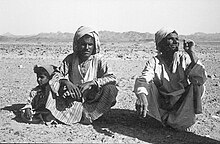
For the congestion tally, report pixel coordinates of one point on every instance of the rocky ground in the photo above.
(121, 124)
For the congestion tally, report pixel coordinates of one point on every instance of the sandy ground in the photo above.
(120, 124)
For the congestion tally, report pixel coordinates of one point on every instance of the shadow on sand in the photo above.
(15, 108)
(126, 122)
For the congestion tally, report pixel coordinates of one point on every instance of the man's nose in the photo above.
(175, 41)
(87, 46)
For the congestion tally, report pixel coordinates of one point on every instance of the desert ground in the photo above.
(121, 124)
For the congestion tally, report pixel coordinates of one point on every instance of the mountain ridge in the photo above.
(105, 36)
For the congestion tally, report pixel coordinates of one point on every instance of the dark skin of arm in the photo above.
(141, 106)
(188, 46)
(77, 92)
(73, 90)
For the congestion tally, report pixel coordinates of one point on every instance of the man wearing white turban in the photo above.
(89, 85)
(171, 85)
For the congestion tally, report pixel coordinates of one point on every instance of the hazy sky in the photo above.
(22, 17)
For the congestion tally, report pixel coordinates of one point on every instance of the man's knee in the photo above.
(110, 88)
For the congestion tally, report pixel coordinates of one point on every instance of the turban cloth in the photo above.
(81, 31)
(48, 68)
(161, 34)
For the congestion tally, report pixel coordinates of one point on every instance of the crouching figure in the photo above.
(172, 83)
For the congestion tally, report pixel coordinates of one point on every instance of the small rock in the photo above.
(16, 133)
(207, 136)
(120, 56)
(215, 117)
(136, 140)
(212, 76)
(216, 84)
(69, 139)
(103, 140)
(167, 136)
(20, 66)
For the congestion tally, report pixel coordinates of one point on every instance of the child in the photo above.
(35, 110)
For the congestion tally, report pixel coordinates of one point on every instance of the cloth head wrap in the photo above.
(161, 34)
(48, 68)
(81, 31)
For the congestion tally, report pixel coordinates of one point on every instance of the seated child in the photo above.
(35, 111)
(51, 101)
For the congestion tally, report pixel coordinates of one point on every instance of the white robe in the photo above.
(162, 85)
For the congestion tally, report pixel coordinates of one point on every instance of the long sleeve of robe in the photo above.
(97, 102)
(174, 95)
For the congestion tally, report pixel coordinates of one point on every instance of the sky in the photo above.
(27, 17)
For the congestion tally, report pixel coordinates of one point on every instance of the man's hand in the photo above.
(86, 86)
(142, 104)
(72, 90)
(188, 46)
(28, 114)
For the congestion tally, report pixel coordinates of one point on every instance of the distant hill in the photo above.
(105, 36)
(125, 36)
(204, 37)
(8, 35)
(49, 37)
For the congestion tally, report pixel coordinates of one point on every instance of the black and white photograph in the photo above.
(110, 71)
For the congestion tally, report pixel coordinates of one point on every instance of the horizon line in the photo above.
(9, 33)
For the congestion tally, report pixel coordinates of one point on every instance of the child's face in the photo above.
(42, 79)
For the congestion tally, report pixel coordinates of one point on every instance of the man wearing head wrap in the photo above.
(90, 84)
(171, 85)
